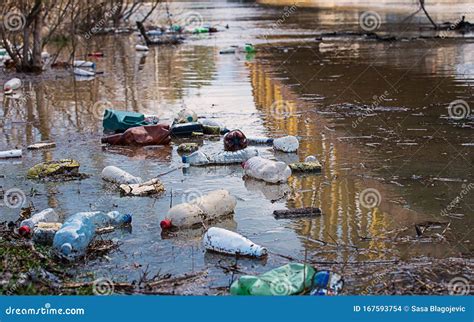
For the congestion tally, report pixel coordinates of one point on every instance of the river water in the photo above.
(375, 113)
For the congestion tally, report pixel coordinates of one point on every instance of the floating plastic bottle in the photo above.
(186, 116)
(12, 85)
(226, 157)
(83, 63)
(117, 175)
(267, 170)
(83, 72)
(228, 242)
(228, 50)
(310, 158)
(141, 48)
(235, 140)
(46, 215)
(214, 205)
(259, 140)
(78, 231)
(290, 279)
(10, 154)
(327, 283)
(43, 232)
(286, 144)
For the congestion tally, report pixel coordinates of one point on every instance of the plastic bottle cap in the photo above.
(243, 165)
(66, 249)
(183, 159)
(24, 231)
(127, 218)
(165, 224)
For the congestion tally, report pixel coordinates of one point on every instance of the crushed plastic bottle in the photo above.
(228, 242)
(286, 144)
(267, 170)
(75, 235)
(214, 205)
(117, 175)
(43, 232)
(226, 157)
(46, 215)
(327, 283)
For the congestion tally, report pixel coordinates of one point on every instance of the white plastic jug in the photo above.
(267, 170)
(216, 204)
(228, 242)
(117, 175)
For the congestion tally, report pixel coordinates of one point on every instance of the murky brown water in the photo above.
(375, 113)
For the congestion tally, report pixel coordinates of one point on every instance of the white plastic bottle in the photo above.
(141, 48)
(75, 235)
(216, 204)
(12, 85)
(47, 215)
(267, 170)
(10, 154)
(228, 242)
(286, 144)
(224, 157)
(117, 175)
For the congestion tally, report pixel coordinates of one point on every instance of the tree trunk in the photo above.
(37, 64)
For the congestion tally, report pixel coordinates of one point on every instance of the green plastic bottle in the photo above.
(290, 279)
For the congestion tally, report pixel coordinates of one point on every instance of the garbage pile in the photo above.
(71, 238)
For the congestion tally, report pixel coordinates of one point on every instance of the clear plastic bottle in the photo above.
(186, 116)
(47, 215)
(267, 170)
(78, 231)
(43, 232)
(286, 144)
(117, 175)
(310, 158)
(209, 207)
(228, 242)
(259, 140)
(225, 157)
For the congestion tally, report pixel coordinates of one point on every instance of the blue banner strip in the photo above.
(227, 308)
